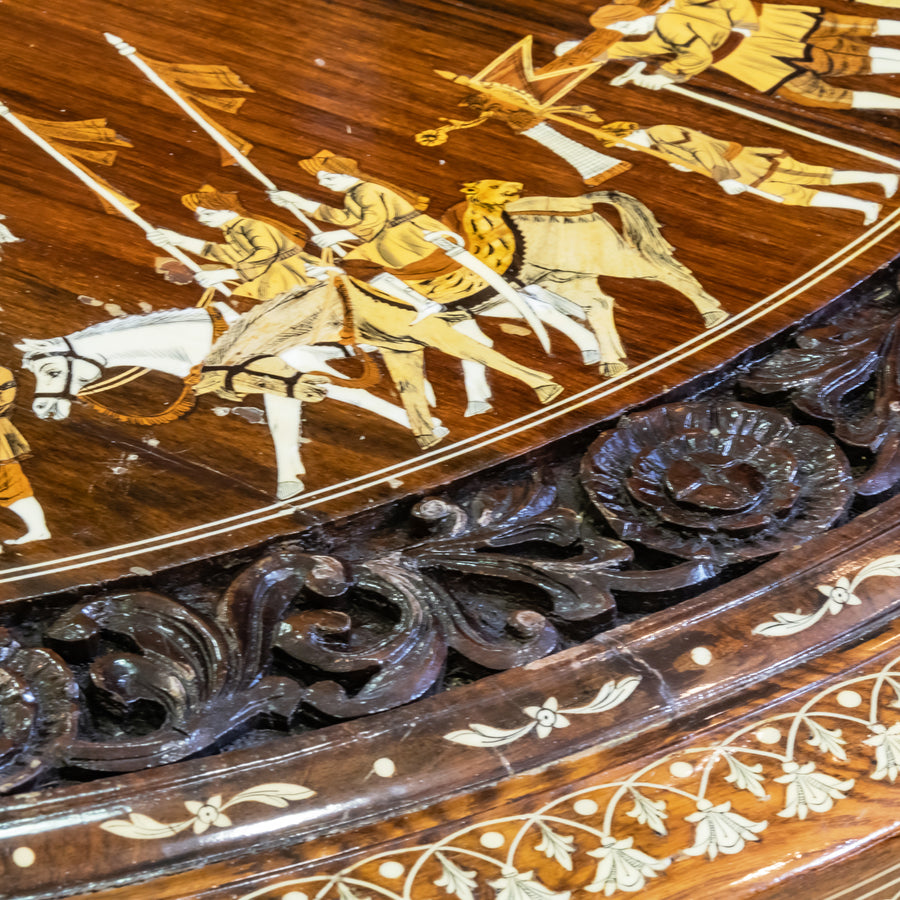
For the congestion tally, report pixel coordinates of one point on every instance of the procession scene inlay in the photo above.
(258, 334)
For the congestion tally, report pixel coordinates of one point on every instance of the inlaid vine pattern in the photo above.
(615, 837)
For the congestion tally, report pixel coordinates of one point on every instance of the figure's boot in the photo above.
(32, 514)
(884, 60)
(874, 100)
(888, 181)
(885, 27)
(828, 200)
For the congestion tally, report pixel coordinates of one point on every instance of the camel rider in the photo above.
(387, 223)
(788, 51)
(257, 254)
(15, 491)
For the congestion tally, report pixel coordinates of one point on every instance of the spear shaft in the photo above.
(130, 53)
(96, 187)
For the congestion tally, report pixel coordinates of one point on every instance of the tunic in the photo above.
(389, 227)
(767, 168)
(14, 485)
(268, 261)
(762, 45)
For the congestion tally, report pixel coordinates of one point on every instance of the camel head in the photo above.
(491, 193)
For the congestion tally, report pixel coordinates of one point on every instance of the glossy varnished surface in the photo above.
(361, 82)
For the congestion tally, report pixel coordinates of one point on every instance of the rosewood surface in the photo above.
(492, 639)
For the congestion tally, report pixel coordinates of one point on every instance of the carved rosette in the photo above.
(717, 481)
(38, 712)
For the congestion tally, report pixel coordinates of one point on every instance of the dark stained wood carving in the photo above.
(433, 458)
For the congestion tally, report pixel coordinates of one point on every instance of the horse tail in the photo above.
(639, 227)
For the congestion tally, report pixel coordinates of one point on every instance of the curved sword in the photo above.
(444, 240)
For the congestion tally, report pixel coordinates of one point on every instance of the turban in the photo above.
(326, 161)
(209, 198)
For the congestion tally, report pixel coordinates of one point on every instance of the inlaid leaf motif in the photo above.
(513, 885)
(826, 740)
(206, 813)
(744, 777)
(141, 827)
(274, 794)
(785, 624)
(556, 846)
(886, 566)
(487, 736)
(886, 742)
(610, 695)
(345, 892)
(809, 790)
(456, 880)
(648, 812)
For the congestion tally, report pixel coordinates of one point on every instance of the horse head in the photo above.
(491, 193)
(59, 374)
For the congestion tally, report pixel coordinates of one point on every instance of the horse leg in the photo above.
(438, 334)
(390, 411)
(680, 279)
(283, 417)
(478, 391)
(407, 371)
(580, 336)
(598, 307)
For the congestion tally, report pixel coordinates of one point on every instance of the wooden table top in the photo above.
(354, 351)
(360, 81)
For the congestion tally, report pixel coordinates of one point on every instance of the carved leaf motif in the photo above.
(556, 846)
(456, 880)
(207, 676)
(826, 375)
(397, 659)
(38, 713)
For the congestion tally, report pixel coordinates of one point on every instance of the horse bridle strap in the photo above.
(71, 355)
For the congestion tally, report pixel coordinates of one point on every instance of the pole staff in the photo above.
(96, 187)
(129, 52)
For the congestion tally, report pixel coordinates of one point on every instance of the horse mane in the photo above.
(127, 323)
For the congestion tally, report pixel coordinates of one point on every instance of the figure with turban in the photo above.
(785, 50)
(263, 257)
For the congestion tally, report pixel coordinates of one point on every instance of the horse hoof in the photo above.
(477, 407)
(288, 489)
(426, 441)
(590, 357)
(548, 392)
(713, 317)
(609, 370)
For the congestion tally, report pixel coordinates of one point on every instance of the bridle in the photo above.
(70, 355)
